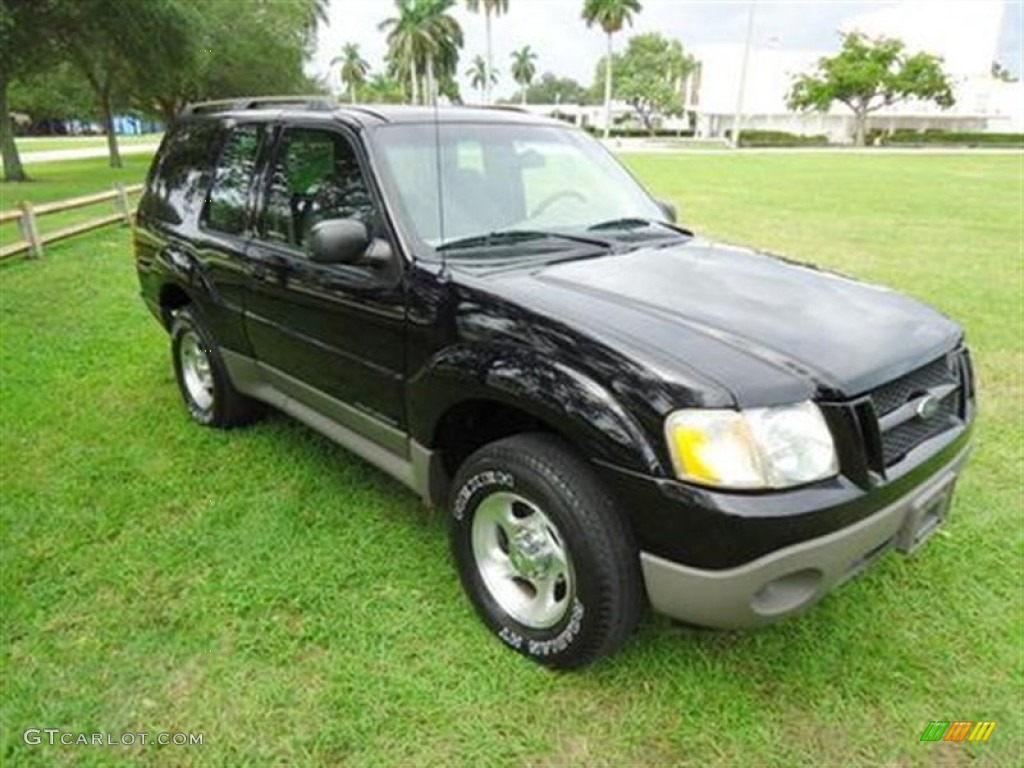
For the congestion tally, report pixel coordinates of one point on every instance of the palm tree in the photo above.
(611, 15)
(490, 8)
(354, 68)
(423, 41)
(478, 73)
(523, 68)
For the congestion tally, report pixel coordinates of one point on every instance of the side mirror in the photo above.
(338, 241)
(669, 210)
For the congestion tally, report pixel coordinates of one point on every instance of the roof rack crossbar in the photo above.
(315, 103)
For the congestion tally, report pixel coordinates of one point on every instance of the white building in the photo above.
(965, 34)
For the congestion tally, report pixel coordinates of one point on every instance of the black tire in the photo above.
(226, 407)
(606, 597)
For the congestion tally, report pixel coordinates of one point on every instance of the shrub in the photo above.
(756, 138)
(935, 136)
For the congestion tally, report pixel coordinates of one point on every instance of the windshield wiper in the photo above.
(515, 236)
(636, 222)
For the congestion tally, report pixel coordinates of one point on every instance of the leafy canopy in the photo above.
(868, 74)
(649, 75)
(610, 15)
(552, 89)
(524, 65)
(477, 73)
(490, 7)
(423, 36)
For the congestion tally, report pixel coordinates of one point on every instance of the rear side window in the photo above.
(226, 206)
(179, 180)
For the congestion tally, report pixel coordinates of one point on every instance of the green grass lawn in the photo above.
(47, 143)
(65, 179)
(291, 603)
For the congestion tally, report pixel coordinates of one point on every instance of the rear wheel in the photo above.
(203, 380)
(543, 552)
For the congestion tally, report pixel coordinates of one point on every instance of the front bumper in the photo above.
(788, 580)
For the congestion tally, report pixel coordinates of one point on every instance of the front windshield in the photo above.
(499, 177)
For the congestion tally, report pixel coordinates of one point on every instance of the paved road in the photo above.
(50, 155)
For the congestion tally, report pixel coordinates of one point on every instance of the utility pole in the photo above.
(737, 117)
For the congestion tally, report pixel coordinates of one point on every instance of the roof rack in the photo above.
(503, 108)
(313, 103)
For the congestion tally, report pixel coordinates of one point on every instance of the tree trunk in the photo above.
(415, 81)
(860, 119)
(431, 91)
(490, 59)
(168, 110)
(13, 170)
(524, 94)
(608, 90)
(107, 117)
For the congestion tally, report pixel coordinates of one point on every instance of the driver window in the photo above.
(557, 178)
(316, 177)
(480, 186)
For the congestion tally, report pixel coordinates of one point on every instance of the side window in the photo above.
(225, 208)
(174, 192)
(316, 177)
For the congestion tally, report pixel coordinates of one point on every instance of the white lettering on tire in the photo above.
(474, 484)
(556, 644)
(562, 640)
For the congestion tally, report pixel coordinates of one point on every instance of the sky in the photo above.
(566, 46)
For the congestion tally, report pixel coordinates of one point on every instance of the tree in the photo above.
(241, 48)
(117, 45)
(649, 76)
(611, 16)
(999, 72)
(869, 74)
(551, 89)
(424, 40)
(478, 74)
(58, 93)
(524, 67)
(381, 89)
(490, 8)
(23, 52)
(354, 68)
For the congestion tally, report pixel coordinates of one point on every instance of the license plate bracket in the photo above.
(926, 514)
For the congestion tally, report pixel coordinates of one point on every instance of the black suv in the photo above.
(613, 412)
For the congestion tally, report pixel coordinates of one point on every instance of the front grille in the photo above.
(899, 440)
(889, 397)
(903, 430)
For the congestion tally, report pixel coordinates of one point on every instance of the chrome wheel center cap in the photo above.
(531, 554)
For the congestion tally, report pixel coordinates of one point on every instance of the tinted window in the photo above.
(316, 177)
(225, 210)
(176, 188)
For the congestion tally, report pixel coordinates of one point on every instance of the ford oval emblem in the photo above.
(927, 407)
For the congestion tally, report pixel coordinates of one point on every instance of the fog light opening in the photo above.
(787, 593)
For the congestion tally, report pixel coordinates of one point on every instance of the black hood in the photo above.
(765, 329)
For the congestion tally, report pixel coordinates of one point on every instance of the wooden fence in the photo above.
(26, 214)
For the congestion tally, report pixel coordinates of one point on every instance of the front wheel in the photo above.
(543, 552)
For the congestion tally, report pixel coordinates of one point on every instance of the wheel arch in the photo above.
(172, 297)
(468, 397)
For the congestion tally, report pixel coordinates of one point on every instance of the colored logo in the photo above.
(958, 730)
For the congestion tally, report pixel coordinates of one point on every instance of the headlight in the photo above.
(756, 448)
